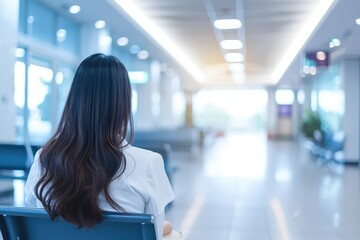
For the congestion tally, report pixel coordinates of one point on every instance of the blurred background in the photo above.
(239, 96)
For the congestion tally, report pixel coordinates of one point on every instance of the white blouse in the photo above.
(142, 188)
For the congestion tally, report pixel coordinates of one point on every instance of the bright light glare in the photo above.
(238, 76)
(227, 23)
(231, 44)
(100, 24)
(357, 21)
(225, 99)
(301, 97)
(59, 78)
(19, 52)
(74, 9)
(19, 76)
(138, 77)
(302, 37)
(236, 67)
(134, 101)
(332, 101)
(230, 166)
(284, 97)
(234, 57)
(161, 38)
(314, 100)
(283, 175)
(39, 80)
(105, 40)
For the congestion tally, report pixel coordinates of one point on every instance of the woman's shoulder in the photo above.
(142, 154)
(141, 159)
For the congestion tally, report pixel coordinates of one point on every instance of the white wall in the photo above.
(9, 14)
(350, 74)
(271, 114)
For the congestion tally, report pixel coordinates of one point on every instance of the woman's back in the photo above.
(87, 166)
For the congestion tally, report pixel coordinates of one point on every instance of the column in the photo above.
(166, 118)
(350, 74)
(148, 108)
(271, 114)
(189, 109)
(295, 116)
(9, 15)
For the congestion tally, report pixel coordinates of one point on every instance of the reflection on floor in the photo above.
(244, 187)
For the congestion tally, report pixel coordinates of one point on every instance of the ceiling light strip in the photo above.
(301, 39)
(161, 38)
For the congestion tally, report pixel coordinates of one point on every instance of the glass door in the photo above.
(40, 89)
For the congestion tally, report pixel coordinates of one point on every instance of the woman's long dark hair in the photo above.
(85, 154)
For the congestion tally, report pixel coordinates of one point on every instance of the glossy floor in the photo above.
(245, 187)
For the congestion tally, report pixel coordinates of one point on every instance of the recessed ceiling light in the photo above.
(231, 44)
(334, 43)
(143, 54)
(61, 35)
(321, 55)
(313, 70)
(123, 41)
(74, 9)
(134, 49)
(357, 21)
(234, 57)
(105, 40)
(227, 23)
(238, 76)
(236, 67)
(100, 24)
(30, 19)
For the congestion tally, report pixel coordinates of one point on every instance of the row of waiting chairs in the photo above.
(22, 223)
(16, 160)
(18, 223)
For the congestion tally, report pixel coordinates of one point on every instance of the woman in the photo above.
(87, 166)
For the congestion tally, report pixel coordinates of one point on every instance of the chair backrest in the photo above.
(18, 223)
(15, 157)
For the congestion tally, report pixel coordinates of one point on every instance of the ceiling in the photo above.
(269, 27)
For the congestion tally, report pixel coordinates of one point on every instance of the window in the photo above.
(41, 22)
(284, 97)
(39, 100)
(230, 109)
(63, 79)
(67, 34)
(19, 98)
(22, 16)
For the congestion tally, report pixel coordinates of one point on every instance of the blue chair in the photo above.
(14, 157)
(18, 223)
